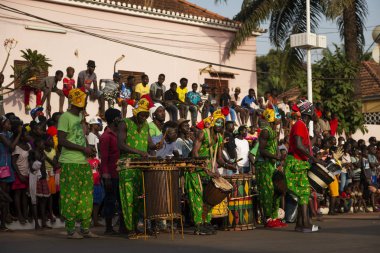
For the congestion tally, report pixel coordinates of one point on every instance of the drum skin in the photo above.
(162, 193)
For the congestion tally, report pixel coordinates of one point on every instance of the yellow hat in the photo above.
(269, 115)
(142, 106)
(77, 98)
(217, 116)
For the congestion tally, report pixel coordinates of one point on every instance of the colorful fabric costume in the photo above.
(76, 182)
(297, 165)
(264, 171)
(130, 179)
(193, 180)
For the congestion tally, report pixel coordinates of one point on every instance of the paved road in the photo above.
(343, 234)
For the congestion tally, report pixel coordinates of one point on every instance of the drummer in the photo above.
(134, 141)
(208, 143)
(296, 164)
(265, 167)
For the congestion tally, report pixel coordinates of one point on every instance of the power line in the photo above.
(10, 9)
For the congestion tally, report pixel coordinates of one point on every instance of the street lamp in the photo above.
(308, 41)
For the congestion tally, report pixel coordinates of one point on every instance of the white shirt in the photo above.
(242, 151)
(284, 107)
(93, 140)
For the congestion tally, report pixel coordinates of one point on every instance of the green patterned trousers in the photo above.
(76, 195)
(296, 178)
(200, 211)
(264, 173)
(130, 185)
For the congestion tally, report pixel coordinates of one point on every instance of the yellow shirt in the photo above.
(141, 89)
(182, 93)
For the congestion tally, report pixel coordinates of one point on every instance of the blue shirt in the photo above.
(247, 101)
(193, 97)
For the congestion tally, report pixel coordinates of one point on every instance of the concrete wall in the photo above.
(183, 39)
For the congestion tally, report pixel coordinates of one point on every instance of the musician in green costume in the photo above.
(265, 167)
(208, 143)
(134, 141)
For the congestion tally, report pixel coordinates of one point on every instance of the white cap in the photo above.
(94, 121)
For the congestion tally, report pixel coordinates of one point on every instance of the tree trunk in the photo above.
(350, 33)
(351, 47)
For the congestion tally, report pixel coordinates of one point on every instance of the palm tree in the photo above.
(289, 16)
(36, 63)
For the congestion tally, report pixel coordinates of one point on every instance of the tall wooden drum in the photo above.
(162, 193)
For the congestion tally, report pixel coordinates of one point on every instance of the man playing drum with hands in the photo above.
(207, 142)
(297, 164)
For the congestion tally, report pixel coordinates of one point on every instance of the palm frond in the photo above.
(261, 10)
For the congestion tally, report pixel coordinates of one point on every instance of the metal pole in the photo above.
(309, 73)
(309, 80)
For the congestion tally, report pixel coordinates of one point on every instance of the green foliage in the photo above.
(36, 64)
(275, 72)
(334, 77)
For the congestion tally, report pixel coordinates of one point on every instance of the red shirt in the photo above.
(109, 153)
(333, 126)
(68, 85)
(299, 129)
(319, 113)
(94, 163)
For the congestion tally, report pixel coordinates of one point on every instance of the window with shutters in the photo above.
(218, 84)
(21, 65)
(125, 73)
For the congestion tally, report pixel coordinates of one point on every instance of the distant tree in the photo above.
(334, 82)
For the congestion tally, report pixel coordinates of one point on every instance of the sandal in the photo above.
(313, 229)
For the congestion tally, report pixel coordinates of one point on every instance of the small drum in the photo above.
(240, 203)
(162, 193)
(220, 210)
(319, 177)
(216, 190)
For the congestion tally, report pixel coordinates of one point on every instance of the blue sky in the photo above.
(329, 29)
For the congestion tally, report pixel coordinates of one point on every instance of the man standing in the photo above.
(208, 143)
(157, 90)
(171, 101)
(194, 100)
(110, 156)
(205, 102)
(143, 88)
(182, 91)
(76, 175)
(49, 85)
(296, 165)
(134, 141)
(265, 167)
(242, 150)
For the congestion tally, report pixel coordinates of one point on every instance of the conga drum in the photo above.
(240, 203)
(319, 177)
(162, 193)
(216, 191)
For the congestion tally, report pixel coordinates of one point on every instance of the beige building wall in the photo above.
(72, 48)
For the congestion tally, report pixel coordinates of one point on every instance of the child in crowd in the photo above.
(98, 193)
(20, 164)
(68, 81)
(38, 186)
(51, 165)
